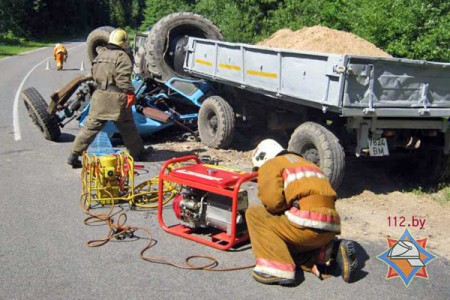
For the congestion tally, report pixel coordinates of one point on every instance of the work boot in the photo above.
(74, 161)
(346, 260)
(146, 154)
(270, 279)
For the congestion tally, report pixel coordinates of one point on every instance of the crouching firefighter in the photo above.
(297, 222)
(111, 101)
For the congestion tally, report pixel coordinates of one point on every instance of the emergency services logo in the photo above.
(406, 258)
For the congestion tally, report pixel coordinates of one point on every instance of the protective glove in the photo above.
(130, 100)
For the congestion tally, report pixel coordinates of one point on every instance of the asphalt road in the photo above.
(43, 253)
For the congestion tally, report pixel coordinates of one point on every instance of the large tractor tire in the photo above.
(216, 122)
(427, 167)
(97, 38)
(320, 146)
(37, 110)
(166, 42)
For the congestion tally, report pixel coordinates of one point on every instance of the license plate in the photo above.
(378, 147)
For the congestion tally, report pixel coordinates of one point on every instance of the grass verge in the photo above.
(443, 196)
(8, 49)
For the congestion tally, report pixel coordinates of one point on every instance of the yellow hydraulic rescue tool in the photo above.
(110, 179)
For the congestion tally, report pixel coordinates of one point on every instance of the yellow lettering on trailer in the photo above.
(263, 74)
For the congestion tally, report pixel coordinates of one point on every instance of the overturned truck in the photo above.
(329, 104)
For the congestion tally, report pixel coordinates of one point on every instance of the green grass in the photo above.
(419, 191)
(8, 49)
(443, 196)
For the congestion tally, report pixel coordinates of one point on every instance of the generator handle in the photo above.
(244, 178)
(177, 160)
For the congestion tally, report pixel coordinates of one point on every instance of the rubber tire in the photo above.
(97, 38)
(219, 135)
(37, 110)
(428, 167)
(140, 65)
(157, 42)
(331, 156)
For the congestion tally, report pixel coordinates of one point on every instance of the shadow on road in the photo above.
(362, 257)
(66, 138)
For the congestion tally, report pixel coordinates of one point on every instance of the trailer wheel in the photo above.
(320, 146)
(428, 167)
(37, 110)
(165, 50)
(216, 122)
(97, 38)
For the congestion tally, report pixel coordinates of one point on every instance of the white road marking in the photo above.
(17, 134)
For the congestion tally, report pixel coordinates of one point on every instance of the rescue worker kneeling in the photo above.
(297, 219)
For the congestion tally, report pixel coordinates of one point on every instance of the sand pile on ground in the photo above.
(322, 39)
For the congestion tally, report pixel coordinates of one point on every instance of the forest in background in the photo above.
(418, 29)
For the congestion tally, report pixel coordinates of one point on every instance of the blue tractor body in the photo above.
(177, 92)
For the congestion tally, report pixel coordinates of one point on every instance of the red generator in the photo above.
(211, 197)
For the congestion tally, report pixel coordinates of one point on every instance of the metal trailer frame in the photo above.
(373, 93)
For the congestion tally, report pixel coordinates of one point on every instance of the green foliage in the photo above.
(442, 196)
(156, 9)
(417, 29)
(405, 28)
(49, 18)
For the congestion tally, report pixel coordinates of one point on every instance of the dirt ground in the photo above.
(370, 194)
(322, 39)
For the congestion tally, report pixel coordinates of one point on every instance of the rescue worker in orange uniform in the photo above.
(60, 54)
(297, 222)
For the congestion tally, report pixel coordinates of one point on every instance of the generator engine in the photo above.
(200, 209)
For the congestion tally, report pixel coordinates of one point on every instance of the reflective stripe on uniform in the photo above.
(275, 268)
(292, 174)
(315, 220)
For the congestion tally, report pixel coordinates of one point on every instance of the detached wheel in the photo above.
(167, 40)
(320, 146)
(37, 110)
(97, 38)
(216, 122)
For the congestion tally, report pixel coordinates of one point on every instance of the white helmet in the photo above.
(265, 150)
(58, 45)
